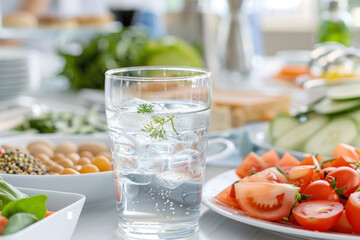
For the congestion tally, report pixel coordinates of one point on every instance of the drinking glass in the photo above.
(158, 120)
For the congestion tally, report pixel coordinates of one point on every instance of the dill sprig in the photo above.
(145, 108)
(156, 127)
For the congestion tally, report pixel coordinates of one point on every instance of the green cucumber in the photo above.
(281, 124)
(329, 107)
(344, 92)
(338, 130)
(296, 137)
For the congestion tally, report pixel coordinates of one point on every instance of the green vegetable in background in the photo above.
(130, 47)
(9, 193)
(18, 222)
(35, 205)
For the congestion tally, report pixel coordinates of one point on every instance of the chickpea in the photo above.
(105, 154)
(76, 167)
(102, 163)
(58, 156)
(56, 168)
(83, 161)
(89, 168)
(86, 154)
(66, 163)
(74, 157)
(69, 171)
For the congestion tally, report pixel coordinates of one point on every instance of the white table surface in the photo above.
(100, 223)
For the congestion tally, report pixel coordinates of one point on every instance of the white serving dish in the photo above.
(220, 182)
(97, 187)
(58, 226)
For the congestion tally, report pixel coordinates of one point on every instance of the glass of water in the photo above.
(158, 120)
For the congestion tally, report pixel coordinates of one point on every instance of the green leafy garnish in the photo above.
(339, 191)
(9, 193)
(19, 221)
(281, 171)
(156, 127)
(251, 173)
(145, 108)
(35, 205)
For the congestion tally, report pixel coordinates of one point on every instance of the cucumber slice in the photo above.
(329, 107)
(281, 124)
(338, 130)
(295, 138)
(344, 92)
(356, 116)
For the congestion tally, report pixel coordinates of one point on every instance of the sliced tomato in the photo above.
(341, 161)
(224, 197)
(48, 213)
(345, 177)
(251, 163)
(353, 210)
(321, 190)
(272, 175)
(271, 158)
(345, 150)
(3, 222)
(311, 160)
(2, 150)
(268, 201)
(288, 160)
(343, 225)
(320, 215)
(301, 175)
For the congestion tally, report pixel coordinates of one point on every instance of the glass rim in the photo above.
(203, 73)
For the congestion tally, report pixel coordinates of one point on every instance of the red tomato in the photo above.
(3, 222)
(311, 160)
(288, 160)
(268, 201)
(343, 225)
(347, 177)
(2, 150)
(346, 151)
(268, 175)
(301, 175)
(341, 161)
(271, 158)
(251, 163)
(321, 190)
(224, 197)
(318, 215)
(353, 210)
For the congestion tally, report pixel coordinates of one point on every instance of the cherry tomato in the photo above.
(3, 222)
(48, 213)
(347, 177)
(311, 160)
(343, 225)
(271, 158)
(321, 190)
(268, 201)
(353, 210)
(341, 161)
(2, 150)
(320, 215)
(224, 197)
(301, 175)
(268, 175)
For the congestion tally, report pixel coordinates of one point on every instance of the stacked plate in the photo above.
(19, 72)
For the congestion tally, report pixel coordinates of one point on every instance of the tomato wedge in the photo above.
(320, 215)
(345, 150)
(268, 201)
(271, 158)
(343, 225)
(288, 160)
(251, 163)
(271, 175)
(321, 190)
(301, 175)
(341, 161)
(224, 197)
(353, 210)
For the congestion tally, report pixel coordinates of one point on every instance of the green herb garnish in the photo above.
(145, 108)
(156, 127)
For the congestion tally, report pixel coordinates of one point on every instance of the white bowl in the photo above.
(58, 226)
(97, 187)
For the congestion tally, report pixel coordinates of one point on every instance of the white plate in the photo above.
(58, 226)
(257, 136)
(97, 187)
(220, 182)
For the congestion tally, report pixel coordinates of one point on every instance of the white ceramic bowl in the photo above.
(97, 187)
(58, 226)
